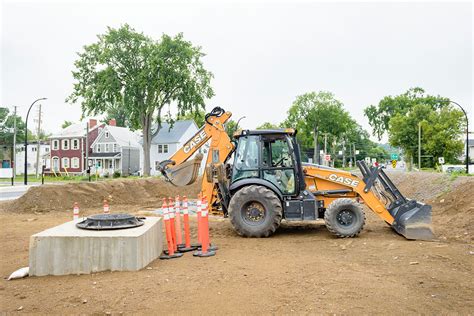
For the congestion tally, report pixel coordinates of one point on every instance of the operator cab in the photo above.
(271, 155)
(271, 158)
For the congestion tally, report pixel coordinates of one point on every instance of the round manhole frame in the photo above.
(110, 222)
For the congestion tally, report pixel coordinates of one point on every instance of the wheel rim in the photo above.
(346, 218)
(253, 213)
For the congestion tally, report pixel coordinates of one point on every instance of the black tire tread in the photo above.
(240, 197)
(333, 207)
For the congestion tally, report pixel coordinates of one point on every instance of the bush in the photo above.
(117, 174)
(106, 175)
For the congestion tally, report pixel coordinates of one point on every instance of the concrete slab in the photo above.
(66, 249)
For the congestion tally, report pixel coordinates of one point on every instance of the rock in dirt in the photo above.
(414, 263)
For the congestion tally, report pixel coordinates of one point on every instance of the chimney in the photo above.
(112, 122)
(92, 123)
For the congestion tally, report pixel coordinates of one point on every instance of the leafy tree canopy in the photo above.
(143, 77)
(66, 124)
(6, 128)
(198, 116)
(379, 116)
(268, 125)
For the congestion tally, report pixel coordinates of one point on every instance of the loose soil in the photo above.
(301, 269)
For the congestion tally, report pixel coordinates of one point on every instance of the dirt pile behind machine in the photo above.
(267, 182)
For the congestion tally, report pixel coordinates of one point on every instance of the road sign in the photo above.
(367, 160)
(327, 157)
(374, 160)
(394, 156)
(357, 152)
(394, 163)
(340, 152)
(441, 160)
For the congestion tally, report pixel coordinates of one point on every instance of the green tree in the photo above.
(379, 116)
(231, 127)
(440, 128)
(145, 77)
(315, 114)
(6, 128)
(66, 124)
(268, 125)
(119, 114)
(198, 116)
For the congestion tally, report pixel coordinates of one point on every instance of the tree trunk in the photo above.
(146, 143)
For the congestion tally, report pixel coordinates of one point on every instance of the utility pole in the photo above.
(354, 152)
(38, 139)
(316, 149)
(343, 153)
(87, 149)
(419, 146)
(25, 175)
(325, 147)
(14, 143)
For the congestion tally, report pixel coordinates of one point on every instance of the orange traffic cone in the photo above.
(170, 254)
(177, 219)
(187, 234)
(106, 207)
(172, 222)
(205, 251)
(75, 212)
(198, 212)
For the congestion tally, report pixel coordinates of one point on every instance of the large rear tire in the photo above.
(344, 218)
(255, 211)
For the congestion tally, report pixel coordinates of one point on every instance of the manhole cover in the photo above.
(110, 221)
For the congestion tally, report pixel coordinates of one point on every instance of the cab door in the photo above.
(278, 163)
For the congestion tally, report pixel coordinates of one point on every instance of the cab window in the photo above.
(277, 161)
(246, 159)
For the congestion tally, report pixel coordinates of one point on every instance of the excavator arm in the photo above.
(183, 167)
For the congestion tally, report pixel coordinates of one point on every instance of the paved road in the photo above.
(13, 192)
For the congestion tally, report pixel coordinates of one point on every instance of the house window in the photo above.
(65, 144)
(55, 144)
(65, 162)
(75, 144)
(106, 134)
(115, 148)
(75, 162)
(46, 150)
(157, 163)
(163, 149)
(97, 148)
(110, 164)
(106, 148)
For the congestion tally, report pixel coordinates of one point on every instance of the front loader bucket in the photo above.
(413, 220)
(185, 173)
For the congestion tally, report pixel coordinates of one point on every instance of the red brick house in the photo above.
(68, 147)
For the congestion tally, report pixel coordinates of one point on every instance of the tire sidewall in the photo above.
(261, 229)
(341, 230)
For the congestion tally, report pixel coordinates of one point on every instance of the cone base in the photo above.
(166, 256)
(186, 249)
(200, 253)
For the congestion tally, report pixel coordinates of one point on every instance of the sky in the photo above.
(263, 54)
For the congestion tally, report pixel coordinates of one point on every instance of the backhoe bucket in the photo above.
(413, 220)
(185, 173)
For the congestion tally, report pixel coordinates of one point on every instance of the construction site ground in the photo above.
(300, 269)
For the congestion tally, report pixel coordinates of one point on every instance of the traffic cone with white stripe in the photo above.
(172, 222)
(187, 234)
(75, 212)
(177, 220)
(205, 251)
(170, 254)
(198, 213)
(106, 207)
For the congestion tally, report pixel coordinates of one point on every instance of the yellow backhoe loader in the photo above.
(267, 183)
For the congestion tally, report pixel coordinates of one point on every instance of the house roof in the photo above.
(74, 130)
(173, 135)
(122, 135)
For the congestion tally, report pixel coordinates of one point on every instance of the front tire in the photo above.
(344, 218)
(255, 211)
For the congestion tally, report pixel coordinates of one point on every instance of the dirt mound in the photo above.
(60, 197)
(452, 201)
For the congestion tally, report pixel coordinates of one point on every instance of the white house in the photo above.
(168, 141)
(116, 149)
(44, 149)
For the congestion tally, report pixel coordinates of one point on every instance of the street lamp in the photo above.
(467, 135)
(26, 140)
